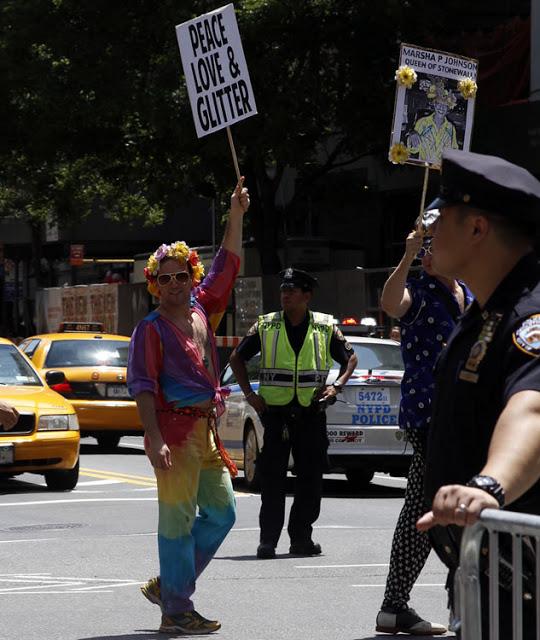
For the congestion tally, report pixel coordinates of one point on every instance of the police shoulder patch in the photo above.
(339, 335)
(253, 329)
(527, 336)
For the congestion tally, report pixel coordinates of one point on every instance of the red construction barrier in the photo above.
(228, 341)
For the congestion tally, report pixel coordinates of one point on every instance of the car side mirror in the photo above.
(55, 377)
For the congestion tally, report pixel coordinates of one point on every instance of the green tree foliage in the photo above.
(97, 114)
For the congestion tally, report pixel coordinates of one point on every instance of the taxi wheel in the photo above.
(359, 478)
(108, 441)
(62, 480)
(251, 453)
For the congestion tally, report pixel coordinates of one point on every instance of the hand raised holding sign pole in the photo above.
(216, 73)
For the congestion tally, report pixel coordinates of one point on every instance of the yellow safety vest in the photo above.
(282, 374)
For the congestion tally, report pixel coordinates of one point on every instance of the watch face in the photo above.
(490, 485)
(483, 481)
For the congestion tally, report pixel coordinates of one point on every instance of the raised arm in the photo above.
(232, 238)
(395, 299)
(213, 294)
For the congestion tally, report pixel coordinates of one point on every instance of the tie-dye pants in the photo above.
(188, 540)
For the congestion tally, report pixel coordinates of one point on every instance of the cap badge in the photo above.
(288, 273)
(466, 198)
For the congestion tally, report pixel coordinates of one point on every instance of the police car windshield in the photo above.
(15, 370)
(88, 353)
(377, 356)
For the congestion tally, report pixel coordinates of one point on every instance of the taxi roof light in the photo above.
(350, 321)
(85, 327)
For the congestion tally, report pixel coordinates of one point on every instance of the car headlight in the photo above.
(66, 422)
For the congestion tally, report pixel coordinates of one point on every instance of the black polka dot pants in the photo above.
(410, 547)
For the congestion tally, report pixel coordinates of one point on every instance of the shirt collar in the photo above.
(525, 272)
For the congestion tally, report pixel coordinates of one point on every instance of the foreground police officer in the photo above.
(297, 347)
(484, 445)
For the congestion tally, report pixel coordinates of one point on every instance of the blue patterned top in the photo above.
(425, 329)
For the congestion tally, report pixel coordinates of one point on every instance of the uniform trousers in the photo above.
(410, 547)
(302, 431)
(188, 540)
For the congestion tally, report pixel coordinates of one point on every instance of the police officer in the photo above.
(297, 347)
(484, 445)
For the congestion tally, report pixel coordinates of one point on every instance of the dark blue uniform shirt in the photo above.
(493, 354)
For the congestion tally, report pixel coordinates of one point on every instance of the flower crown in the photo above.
(178, 251)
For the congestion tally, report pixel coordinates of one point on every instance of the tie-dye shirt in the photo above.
(166, 362)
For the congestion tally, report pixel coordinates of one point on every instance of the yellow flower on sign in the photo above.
(468, 88)
(406, 76)
(399, 154)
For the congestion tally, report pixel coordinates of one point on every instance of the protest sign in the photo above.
(434, 105)
(216, 72)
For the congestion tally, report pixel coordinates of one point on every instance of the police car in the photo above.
(362, 426)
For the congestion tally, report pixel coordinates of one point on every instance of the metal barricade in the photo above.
(467, 583)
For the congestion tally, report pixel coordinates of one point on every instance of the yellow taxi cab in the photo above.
(94, 367)
(45, 439)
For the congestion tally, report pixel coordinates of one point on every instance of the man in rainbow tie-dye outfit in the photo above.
(173, 374)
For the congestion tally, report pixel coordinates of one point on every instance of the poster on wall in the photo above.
(248, 302)
(91, 303)
(434, 105)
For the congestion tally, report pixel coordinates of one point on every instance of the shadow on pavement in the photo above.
(279, 556)
(14, 486)
(333, 488)
(143, 634)
(381, 636)
(93, 449)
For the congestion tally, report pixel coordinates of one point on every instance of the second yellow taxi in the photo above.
(94, 365)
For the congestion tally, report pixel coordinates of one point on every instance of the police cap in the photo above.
(489, 183)
(296, 278)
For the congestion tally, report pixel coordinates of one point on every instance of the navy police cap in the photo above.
(489, 183)
(296, 278)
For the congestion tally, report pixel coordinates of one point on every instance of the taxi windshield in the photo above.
(88, 353)
(15, 370)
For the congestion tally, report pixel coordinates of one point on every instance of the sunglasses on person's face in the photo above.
(180, 276)
(425, 250)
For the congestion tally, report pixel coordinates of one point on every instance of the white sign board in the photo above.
(216, 72)
(432, 115)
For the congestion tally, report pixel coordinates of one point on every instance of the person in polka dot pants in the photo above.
(427, 308)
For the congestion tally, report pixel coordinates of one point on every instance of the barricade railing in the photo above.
(472, 562)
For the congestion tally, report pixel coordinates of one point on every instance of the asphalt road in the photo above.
(71, 563)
